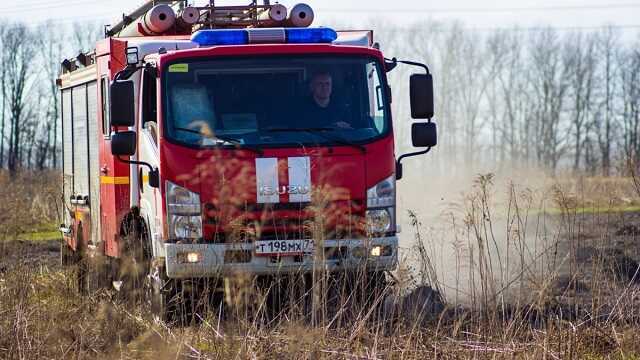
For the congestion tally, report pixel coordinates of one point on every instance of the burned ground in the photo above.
(582, 301)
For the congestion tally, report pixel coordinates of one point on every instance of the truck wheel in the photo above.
(83, 277)
(93, 272)
(82, 265)
(134, 262)
(160, 293)
(67, 255)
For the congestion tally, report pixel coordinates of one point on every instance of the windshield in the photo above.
(275, 101)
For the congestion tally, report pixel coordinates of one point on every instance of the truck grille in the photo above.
(282, 222)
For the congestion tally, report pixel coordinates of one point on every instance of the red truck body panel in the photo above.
(226, 178)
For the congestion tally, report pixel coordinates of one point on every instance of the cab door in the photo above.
(148, 133)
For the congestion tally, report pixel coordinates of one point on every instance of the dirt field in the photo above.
(568, 289)
(594, 310)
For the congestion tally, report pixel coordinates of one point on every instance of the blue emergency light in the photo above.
(264, 35)
(310, 35)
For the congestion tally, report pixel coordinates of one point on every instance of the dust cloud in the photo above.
(455, 218)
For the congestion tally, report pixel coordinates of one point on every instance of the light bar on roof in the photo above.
(264, 36)
(310, 35)
(220, 37)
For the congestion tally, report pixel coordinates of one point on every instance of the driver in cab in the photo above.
(321, 111)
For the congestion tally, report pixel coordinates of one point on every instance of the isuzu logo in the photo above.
(271, 188)
(284, 189)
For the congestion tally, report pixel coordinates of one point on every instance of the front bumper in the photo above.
(212, 261)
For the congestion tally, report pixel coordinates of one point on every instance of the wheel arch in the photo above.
(135, 226)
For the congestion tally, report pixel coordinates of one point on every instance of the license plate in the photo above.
(283, 247)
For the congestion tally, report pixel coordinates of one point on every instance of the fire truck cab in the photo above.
(234, 147)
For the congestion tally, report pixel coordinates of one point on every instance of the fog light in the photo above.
(189, 257)
(376, 251)
(193, 257)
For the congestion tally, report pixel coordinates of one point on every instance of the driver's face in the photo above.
(321, 87)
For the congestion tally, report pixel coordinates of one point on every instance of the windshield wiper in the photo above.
(226, 139)
(322, 132)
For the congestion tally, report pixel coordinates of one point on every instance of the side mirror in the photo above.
(122, 106)
(421, 95)
(424, 134)
(154, 178)
(123, 143)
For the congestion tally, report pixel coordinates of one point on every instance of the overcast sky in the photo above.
(478, 14)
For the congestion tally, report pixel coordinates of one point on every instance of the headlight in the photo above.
(379, 221)
(186, 227)
(184, 213)
(383, 194)
(381, 202)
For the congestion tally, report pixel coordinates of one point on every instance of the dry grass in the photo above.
(526, 285)
(29, 201)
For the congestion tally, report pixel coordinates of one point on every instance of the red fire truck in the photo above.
(227, 139)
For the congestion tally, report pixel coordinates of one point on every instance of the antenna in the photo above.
(212, 5)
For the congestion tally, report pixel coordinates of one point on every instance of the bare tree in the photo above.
(50, 48)
(548, 80)
(497, 48)
(519, 102)
(447, 65)
(608, 46)
(85, 35)
(3, 93)
(19, 65)
(629, 60)
(472, 82)
(580, 66)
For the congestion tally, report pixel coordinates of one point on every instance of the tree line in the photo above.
(544, 98)
(30, 125)
(510, 98)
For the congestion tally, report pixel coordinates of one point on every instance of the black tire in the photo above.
(67, 255)
(160, 293)
(135, 259)
(83, 271)
(83, 277)
(91, 274)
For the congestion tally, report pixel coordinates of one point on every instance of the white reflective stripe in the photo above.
(300, 179)
(267, 180)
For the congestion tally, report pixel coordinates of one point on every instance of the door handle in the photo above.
(104, 170)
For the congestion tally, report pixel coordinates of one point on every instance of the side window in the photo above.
(149, 103)
(106, 120)
(376, 97)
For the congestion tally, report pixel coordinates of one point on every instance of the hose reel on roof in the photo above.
(163, 17)
(154, 22)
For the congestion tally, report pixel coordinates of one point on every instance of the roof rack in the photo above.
(211, 16)
(251, 15)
